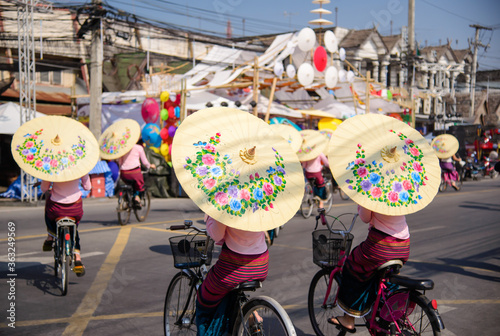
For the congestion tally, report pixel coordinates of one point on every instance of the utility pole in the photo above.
(96, 76)
(474, 66)
(411, 26)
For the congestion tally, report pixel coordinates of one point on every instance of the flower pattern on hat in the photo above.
(110, 146)
(222, 184)
(396, 187)
(50, 161)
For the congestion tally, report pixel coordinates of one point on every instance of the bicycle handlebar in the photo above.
(321, 216)
(188, 224)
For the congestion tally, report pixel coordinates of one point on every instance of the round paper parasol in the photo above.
(445, 145)
(237, 169)
(313, 144)
(384, 165)
(328, 133)
(290, 134)
(55, 148)
(119, 138)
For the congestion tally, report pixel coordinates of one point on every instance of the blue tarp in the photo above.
(14, 190)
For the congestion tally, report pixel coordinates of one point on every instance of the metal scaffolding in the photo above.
(27, 75)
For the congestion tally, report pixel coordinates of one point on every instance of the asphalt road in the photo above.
(455, 242)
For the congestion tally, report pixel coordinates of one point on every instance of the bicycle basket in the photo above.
(327, 245)
(187, 250)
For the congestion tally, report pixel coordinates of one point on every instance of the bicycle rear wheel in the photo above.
(418, 318)
(343, 195)
(306, 208)
(263, 315)
(123, 209)
(180, 306)
(65, 261)
(142, 213)
(319, 313)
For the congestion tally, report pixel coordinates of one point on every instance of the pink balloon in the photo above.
(320, 58)
(150, 110)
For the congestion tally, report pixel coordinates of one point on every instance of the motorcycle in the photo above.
(473, 169)
(489, 168)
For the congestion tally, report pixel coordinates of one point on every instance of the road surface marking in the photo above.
(45, 260)
(83, 314)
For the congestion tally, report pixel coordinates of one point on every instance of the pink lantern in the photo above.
(150, 110)
(320, 58)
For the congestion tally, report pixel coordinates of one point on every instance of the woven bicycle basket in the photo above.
(327, 246)
(187, 250)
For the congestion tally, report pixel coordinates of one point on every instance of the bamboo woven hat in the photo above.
(119, 139)
(290, 134)
(384, 165)
(313, 144)
(55, 148)
(237, 169)
(445, 146)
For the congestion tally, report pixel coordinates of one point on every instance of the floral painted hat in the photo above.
(445, 145)
(55, 148)
(237, 169)
(119, 138)
(313, 144)
(384, 165)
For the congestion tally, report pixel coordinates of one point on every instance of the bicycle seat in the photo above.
(390, 267)
(249, 285)
(65, 218)
(423, 284)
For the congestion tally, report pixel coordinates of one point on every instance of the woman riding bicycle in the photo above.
(244, 257)
(313, 169)
(130, 169)
(65, 200)
(388, 239)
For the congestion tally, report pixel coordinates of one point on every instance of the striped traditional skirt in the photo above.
(228, 272)
(449, 171)
(54, 210)
(358, 287)
(134, 178)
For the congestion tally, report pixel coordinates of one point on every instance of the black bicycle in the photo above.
(192, 254)
(64, 246)
(127, 204)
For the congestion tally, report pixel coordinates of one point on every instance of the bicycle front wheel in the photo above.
(179, 311)
(329, 192)
(319, 311)
(306, 208)
(418, 319)
(264, 316)
(142, 213)
(123, 209)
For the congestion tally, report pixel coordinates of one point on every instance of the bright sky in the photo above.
(435, 21)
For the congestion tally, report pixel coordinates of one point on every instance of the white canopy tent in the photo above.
(10, 118)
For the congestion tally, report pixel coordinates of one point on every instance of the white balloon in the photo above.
(331, 77)
(278, 69)
(342, 54)
(290, 71)
(331, 42)
(342, 76)
(307, 39)
(173, 96)
(350, 76)
(305, 74)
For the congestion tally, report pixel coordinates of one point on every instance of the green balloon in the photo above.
(164, 114)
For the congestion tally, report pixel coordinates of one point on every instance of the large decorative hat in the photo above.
(119, 139)
(313, 144)
(237, 169)
(290, 134)
(55, 148)
(384, 165)
(445, 145)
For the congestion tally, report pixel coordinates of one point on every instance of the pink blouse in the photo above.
(392, 225)
(239, 241)
(67, 192)
(133, 159)
(315, 165)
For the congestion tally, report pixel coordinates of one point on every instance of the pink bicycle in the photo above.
(401, 307)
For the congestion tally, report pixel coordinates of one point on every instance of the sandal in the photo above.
(79, 269)
(340, 326)
(47, 245)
